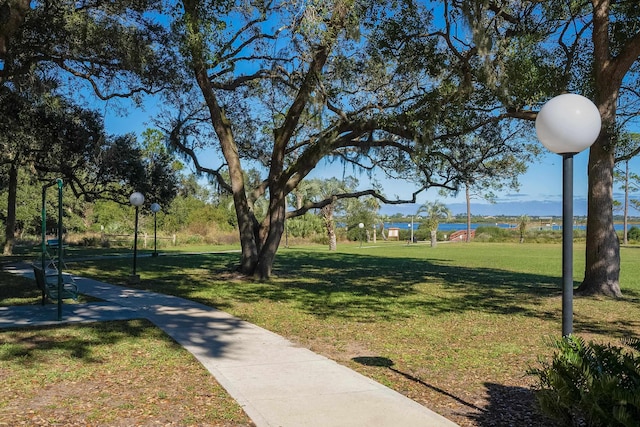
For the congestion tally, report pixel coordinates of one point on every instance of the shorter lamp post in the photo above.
(155, 208)
(361, 226)
(411, 241)
(566, 125)
(136, 199)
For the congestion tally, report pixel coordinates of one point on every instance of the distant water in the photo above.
(454, 226)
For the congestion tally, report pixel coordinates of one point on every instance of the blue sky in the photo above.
(540, 193)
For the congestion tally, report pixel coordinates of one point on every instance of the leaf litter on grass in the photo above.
(112, 373)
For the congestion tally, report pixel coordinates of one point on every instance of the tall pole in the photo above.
(135, 243)
(567, 244)
(625, 238)
(43, 243)
(60, 248)
(566, 125)
(136, 199)
(155, 235)
(155, 208)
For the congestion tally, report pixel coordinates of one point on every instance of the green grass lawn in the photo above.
(453, 327)
(109, 373)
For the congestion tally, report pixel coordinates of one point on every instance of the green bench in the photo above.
(48, 284)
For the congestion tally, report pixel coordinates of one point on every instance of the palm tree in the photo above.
(523, 222)
(435, 211)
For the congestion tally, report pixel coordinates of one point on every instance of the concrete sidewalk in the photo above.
(276, 382)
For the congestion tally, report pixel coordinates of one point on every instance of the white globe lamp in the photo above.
(567, 125)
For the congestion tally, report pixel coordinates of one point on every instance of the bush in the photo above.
(91, 241)
(494, 234)
(590, 384)
(307, 225)
(633, 233)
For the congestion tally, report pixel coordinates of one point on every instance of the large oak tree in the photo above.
(290, 84)
(590, 47)
(616, 57)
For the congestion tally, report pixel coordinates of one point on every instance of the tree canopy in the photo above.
(376, 85)
(587, 47)
(390, 87)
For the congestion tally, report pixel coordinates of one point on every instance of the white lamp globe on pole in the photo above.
(136, 199)
(361, 226)
(567, 125)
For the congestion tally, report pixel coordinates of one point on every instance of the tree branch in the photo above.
(354, 195)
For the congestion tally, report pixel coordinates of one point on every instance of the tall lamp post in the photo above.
(361, 226)
(567, 125)
(136, 199)
(155, 208)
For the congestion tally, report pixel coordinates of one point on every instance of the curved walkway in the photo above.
(277, 383)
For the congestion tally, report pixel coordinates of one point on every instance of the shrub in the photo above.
(494, 234)
(633, 233)
(318, 239)
(91, 241)
(590, 384)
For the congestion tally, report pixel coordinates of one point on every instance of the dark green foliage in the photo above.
(591, 384)
(113, 45)
(305, 226)
(633, 233)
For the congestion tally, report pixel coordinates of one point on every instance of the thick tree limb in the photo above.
(354, 195)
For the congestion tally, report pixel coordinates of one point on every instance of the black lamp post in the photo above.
(361, 227)
(567, 125)
(155, 208)
(136, 199)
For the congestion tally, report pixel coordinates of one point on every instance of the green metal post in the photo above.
(60, 249)
(43, 245)
(44, 239)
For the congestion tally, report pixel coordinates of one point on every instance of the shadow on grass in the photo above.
(344, 285)
(357, 287)
(17, 290)
(388, 288)
(28, 343)
(511, 406)
(506, 405)
(384, 362)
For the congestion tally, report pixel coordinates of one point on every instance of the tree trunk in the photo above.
(273, 228)
(626, 203)
(468, 199)
(434, 238)
(247, 225)
(602, 268)
(248, 232)
(13, 15)
(10, 226)
(327, 217)
(333, 242)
